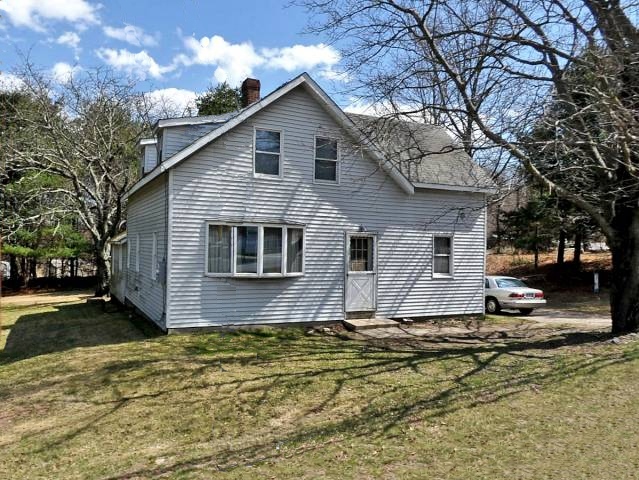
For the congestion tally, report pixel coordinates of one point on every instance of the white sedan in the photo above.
(511, 293)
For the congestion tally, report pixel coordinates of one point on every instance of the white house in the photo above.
(290, 210)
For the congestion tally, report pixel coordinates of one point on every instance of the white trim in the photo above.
(455, 188)
(137, 252)
(128, 257)
(337, 161)
(280, 166)
(199, 120)
(451, 255)
(147, 141)
(168, 253)
(260, 250)
(483, 278)
(346, 262)
(319, 96)
(154, 255)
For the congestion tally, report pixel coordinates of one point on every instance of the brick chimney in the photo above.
(250, 91)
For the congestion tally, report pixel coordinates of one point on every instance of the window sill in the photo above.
(326, 182)
(253, 275)
(267, 176)
(445, 276)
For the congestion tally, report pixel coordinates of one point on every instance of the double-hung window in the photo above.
(254, 250)
(267, 153)
(326, 160)
(442, 255)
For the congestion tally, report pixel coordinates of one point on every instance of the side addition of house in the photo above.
(290, 210)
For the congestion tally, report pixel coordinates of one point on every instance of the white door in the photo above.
(361, 271)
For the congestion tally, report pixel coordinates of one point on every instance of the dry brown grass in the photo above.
(85, 394)
(521, 263)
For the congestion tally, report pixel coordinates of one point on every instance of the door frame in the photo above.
(347, 253)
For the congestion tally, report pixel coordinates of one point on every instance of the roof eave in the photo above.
(456, 188)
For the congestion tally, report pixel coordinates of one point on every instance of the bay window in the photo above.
(246, 250)
(219, 249)
(254, 250)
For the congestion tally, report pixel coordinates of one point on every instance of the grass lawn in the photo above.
(86, 394)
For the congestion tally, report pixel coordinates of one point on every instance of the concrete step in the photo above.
(368, 323)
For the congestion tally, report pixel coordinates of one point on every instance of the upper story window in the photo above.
(267, 153)
(254, 250)
(326, 156)
(442, 255)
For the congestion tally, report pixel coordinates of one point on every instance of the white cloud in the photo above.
(10, 82)
(236, 61)
(62, 72)
(140, 64)
(71, 40)
(301, 57)
(35, 13)
(131, 34)
(171, 102)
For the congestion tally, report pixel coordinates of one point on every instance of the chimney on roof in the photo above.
(250, 91)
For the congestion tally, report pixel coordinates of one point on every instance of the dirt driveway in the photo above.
(564, 317)
(45, 298)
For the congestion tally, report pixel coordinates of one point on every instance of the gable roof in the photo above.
(425, 154)
(314, 89)
(229, 121)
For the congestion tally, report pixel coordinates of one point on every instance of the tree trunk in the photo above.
(14, 274)
(624, 289)
(536, 247)
(561, 248)
(103, 270)
(576, 259)
(33, 270)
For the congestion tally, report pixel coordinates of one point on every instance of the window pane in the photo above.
(267, 163)
(246, 250)
(294, 250)
(361, 255)
(266, 141)
(325, 148)
(219, 249)
(326, 170)
(442, 264)
(442, 245)
(272, 257)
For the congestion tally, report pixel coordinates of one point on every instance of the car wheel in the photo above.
(526, 311)
(492, 305)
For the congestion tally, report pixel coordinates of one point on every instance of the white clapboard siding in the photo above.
(118, 271)
(146, 214)
(150, 158)
(177, 138)
(217, 182)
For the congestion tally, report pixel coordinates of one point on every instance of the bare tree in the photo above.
(82, 134)
(502, 65)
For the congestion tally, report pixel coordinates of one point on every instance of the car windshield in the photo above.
(509, 282)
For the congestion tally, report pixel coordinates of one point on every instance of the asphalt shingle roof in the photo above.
(423, 153)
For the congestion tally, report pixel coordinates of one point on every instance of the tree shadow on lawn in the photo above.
(486, 373)
(71, 326)
(258, 369)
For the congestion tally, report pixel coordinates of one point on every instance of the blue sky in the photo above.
(173, 47)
